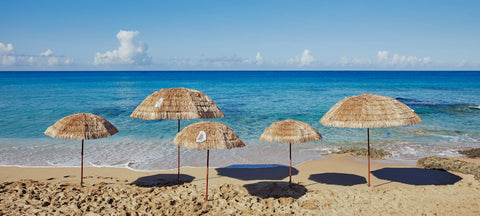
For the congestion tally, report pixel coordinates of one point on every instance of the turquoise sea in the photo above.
(448, 102)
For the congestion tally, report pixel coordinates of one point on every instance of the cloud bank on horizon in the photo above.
(134, 53)
(47, 58)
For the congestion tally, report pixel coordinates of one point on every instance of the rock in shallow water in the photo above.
(471, 153)
(357, 151)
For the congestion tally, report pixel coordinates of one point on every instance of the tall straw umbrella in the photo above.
(208, 135)
(369, 111)
(81, 126)
(290, 131)
(177, 103)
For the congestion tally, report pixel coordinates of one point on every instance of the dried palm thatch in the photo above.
(290, 131)
(177, 103)
(207, 135)
(369, 111)
(81, 126)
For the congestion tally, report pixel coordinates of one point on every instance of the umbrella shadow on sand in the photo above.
(161, 180)
(276, 190)
(342, 179)
(249, 172)
(417, 176)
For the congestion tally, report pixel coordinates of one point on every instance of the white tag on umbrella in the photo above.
(202, 136)
(159, 103)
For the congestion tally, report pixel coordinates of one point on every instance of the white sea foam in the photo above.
(149, 154)
(475, 106)
(161, 154)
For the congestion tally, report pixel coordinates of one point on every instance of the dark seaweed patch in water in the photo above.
(409, 101)
(429, 107)
(315, 90)
(443, 88)
(109, 112)
(232, 109)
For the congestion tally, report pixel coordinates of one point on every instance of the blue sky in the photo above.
(239, 35)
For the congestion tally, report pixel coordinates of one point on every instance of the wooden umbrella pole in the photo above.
(368, 152)
(206, 192)
(178, 155)
(81, 168)
(290, 164)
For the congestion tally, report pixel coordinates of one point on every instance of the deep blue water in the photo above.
(448, 102)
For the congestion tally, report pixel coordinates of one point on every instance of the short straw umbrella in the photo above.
(369, 111)
(177, 103)
(207, 135)
(290, 131)
(81, 126)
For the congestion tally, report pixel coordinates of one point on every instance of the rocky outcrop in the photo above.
(450, 164)
(471, 153)
(362, 152)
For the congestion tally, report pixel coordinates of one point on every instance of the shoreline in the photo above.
(409, 162)
(330, 163)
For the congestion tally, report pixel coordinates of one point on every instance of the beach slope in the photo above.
(334, 185)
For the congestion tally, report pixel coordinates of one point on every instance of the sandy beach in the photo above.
(335, 185)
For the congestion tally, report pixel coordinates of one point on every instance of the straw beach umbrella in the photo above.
(290, 131)
(81, 126)
(177, 103)
(369, 111)
(207, 135)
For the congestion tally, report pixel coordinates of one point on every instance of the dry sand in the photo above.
(335, 185)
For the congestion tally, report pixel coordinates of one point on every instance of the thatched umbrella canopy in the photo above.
(208, 135)
(290, 131)
(177, 103)
(369, 111)
(81, 126)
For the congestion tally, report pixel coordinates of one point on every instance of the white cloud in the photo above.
(6, 48)
(345, 61)
(383, 58)
(7, 54)
(47, 53)
(462, 63)
(203, 61)
(223, 61)
(68, 61)
(129, 51)
(52, 61)
(294, 60)
(305, 59)
(259, 59)
(469, 64)
(9, 58)
(49, 58)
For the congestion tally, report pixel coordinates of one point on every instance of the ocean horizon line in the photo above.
(246, 70)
